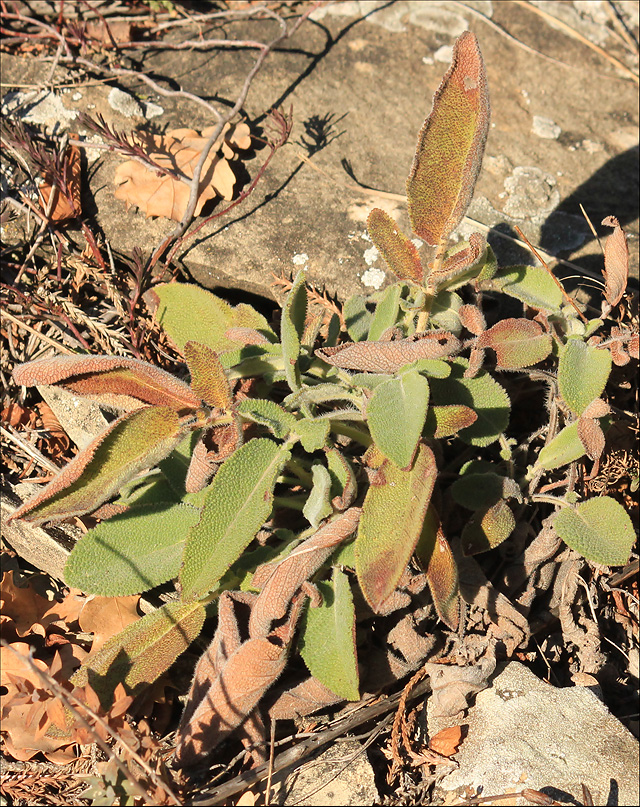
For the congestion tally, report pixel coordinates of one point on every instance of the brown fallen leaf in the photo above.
(179, 150)
(66, 204)
(447, 741)
(22, 606)
(106, 616)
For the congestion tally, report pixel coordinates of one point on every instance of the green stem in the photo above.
(296, 467)
(543, 497)
(339, 427)
(291, 502)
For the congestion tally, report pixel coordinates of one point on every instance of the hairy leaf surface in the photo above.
(142, 651)
(396, 414)
(583, 372)
(318, 504)
(238, 502)
(131, 552)
(482, 394)
(599, 529)
(488, 528)
(434, 556)
(114, 379)
(132, 443)
(327, 639)
(565, 447)
(399, 252)
(291, 329)
(516, 342)
(268, 414)
(616, 262)
(208, 379)
(389, 357)
(445, 421)
(532, 285)
(386, 312)
(190, 313)
(450, 146)
(392, 517)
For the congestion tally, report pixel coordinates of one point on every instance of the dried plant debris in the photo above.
(178, 153)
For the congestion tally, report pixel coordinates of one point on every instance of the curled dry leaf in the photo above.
(447, 741)
(179, 150)
(106, 616)
(616, 262)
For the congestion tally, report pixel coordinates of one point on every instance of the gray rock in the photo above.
(81, 418)
(125, 103)
(532, 193)
(545, 128)
(342, 775)
(525, 733)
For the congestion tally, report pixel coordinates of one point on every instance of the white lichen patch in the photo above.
(300, 259)
(373, 277)
(370, 256)
(546, 128)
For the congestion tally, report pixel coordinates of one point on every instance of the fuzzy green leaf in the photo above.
(532, 285)
(238, 502)
(268, 414)
(517, 343)
(357, 317)
(482, 394)
(392, 518)
(140, 653)
(399, 253)
(565, 447)
(488, 528)
(318, 504)
(462, 263)
(583, 372)
(435, 558)
(135, 441)
(327, 640)
(599, 529)
(450, 146)
(291, 329)
(131, 552)
(313, 433)
(444, 310)
(396, 414)
(190, 313)
(386, 312)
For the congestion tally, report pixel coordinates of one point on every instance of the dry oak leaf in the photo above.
(106, 616)
(179, 151)
(22, 606)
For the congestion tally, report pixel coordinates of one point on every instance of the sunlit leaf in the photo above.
(131, 552)
(386, 312)
(318, 504)
(399, 252)
(444, 421)
(392, 517)
(268, 414)
(583, 371)
(396, 414)
(208, 379)
(327, 638)
(516, 342)
(482, 394)
(291, 328)
(139, 654)
(599, 529)
(135, 441)
(616, 262)
(450, 146)
(488, 528)
(238, 502)
(532, 285)
(434, 556)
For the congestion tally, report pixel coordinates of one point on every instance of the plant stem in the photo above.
(339, 427)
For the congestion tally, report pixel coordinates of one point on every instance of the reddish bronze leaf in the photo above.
(304, 699)
(616, 262)
(388, 357)
(135, 441)
(232, 696)
(457, 263)
(208, 379)
(286, 576)
(591, 436)
(472, 318)
(398, 251)
(517, 342)
(115, 379)
(450, 146)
